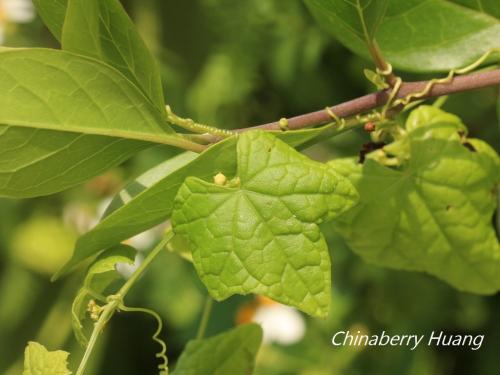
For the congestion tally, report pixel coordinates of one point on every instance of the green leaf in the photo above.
(434, 213)
(52, 13)
(376, 79)
(413, 35)
(67, 118)
(231, 352)
(36, 162)
(491, 7)
(56, 90)
(303, 138)
(39, 361)
(148, 200)
(259, 232)
(357, 19)
(103, 30)
(100, 275)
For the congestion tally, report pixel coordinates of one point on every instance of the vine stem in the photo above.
(115, 301)
(377, 99)
(362, 104)
(205, 317)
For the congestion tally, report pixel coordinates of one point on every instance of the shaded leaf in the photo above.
(491, 7)
(413, 35)
(231, 352)
(434, 213)
(259, 232)
(52, 13)
(356, 18)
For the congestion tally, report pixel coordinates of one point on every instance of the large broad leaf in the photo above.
(64, 118)
(434, 213)
(231, 352)
(415, 35)
(103, 30)
(258, 233)
(36, 162)
(39, 361)
(100, 275)
(148, 200)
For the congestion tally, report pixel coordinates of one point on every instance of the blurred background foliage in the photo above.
(234, 63)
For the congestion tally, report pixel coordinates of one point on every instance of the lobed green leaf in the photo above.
(39, 361)
(259, 233)
(434, 213)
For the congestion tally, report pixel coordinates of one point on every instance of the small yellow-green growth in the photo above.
(94, 310)
(220, 179)
(283, 123)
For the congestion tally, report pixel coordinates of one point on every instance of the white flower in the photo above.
(281, 324)
(15, 11)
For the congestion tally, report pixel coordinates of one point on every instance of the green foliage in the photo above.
(359, 19)
(100, 275)
(231, 352)
(148, 200)
(413, 35)
(102, 29)
(248, 208)
(39, 361)
(107, 103)
(52, 13)
(87, 98)
(485, 6)
(31, 240)
(258, 233)
(433, 213)
(66, 159)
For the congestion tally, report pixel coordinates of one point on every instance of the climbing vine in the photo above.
(244, 205)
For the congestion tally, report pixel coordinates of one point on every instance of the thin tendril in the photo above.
(338, 121)
(392, 95)
(386, 72)
(163, 367)
(406, 100)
